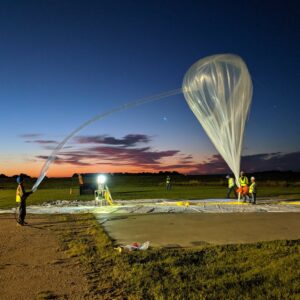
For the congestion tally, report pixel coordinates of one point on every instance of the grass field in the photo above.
(267, 270)
(135, 187)
(263, 270)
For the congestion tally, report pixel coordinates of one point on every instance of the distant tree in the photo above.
(176, 173)
(25, 175)
(3, 176)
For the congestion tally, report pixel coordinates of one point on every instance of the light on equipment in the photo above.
(101, 179)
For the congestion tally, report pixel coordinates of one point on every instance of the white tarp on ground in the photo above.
(147, 206)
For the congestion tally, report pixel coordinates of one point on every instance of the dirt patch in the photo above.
(33, 264)
(189, 230)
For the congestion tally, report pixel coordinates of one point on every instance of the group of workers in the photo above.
(245, 190)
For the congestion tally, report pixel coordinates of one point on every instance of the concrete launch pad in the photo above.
(170, 223)
(151, 206)
(192, 230)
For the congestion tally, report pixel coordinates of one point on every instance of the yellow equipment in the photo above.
(183, 203)
(107, 196)
(103, 195)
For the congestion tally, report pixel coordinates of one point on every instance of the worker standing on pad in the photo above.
(243, 189)
(21, 196)
(253, 190)
(231, 186)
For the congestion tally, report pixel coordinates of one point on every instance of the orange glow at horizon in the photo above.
(33, 167)
(65, 170)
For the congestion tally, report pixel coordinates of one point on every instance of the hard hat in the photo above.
(227, 176)
(19, 179)
(252, 178)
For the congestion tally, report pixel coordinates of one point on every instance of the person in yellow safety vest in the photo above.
(253, 190)
(21, 196)
(168, 183)
(231, 186)
(243, 190)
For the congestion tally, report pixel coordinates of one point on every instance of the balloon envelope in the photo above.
(218, 89)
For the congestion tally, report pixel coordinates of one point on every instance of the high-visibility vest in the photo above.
(230, 182)
(243, 181)
(252, 188)
(19, 193)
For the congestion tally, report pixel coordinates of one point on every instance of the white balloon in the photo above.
(218, 90)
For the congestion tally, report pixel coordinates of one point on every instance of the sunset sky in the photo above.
(62, 62)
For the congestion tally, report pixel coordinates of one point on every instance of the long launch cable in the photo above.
(126, 106)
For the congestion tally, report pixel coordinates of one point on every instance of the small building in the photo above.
(87, 184)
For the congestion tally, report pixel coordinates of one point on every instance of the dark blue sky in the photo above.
(61, 62)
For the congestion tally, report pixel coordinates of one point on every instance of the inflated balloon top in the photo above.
(218, 90)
